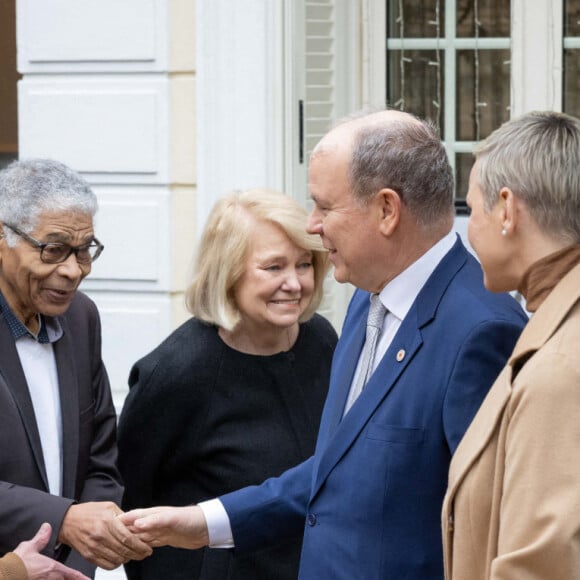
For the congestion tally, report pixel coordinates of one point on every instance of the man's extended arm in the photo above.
(260, 514)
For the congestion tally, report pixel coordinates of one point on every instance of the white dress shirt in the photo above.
(39, 366)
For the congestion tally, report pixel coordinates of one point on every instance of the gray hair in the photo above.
(537, 156)
(408, 157)
(31, 187)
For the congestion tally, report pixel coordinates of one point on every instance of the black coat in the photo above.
(202, 419)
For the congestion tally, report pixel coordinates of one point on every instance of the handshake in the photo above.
(96, 531)
(106, 536)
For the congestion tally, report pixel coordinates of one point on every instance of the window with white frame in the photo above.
(469, 65)
(449, 61)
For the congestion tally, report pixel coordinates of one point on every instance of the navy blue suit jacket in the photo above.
(370, 498)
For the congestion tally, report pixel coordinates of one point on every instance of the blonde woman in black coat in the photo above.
(234, 395)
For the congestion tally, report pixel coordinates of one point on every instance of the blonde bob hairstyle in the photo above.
(221, 257)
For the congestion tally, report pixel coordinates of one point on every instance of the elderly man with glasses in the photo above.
(57, 420)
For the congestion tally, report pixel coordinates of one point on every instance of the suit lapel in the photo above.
(13, 375)
(339, 434)
(376, 390)
(345, 361)
(69, 403)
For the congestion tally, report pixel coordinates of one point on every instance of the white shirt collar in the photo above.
(400, 293)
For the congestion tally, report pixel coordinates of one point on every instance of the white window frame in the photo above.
(536, 59)
(537, 68)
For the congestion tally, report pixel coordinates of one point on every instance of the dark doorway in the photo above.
(8, 83)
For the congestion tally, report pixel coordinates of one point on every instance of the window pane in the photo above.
(414, 18)
(572, 82)
(493, 17)
(474, 99)
(415, 83)
(483, 92)
(571, 18)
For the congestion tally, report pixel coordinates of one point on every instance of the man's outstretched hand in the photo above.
(180, 527)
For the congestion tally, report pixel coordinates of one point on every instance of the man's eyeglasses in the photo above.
(57, 252)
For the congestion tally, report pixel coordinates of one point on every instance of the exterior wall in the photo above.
(113, 89)
(114, 98)
(241, 86)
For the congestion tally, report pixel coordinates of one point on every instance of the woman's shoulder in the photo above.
(192, 343)
(192, 334)
(320, 328)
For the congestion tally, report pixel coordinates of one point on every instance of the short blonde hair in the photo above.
(536, 155)
(224, 246)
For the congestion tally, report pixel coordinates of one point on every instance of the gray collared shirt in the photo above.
(50, 329)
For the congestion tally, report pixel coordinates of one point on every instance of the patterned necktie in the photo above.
(375, 320)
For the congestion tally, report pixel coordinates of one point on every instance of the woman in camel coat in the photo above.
(512, 509)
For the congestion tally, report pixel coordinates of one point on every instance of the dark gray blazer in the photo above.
(89, 433)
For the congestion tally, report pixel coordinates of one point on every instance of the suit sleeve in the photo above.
(24, 509)
(265, 514)
(479, 361)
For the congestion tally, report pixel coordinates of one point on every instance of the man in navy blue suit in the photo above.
(369, 500)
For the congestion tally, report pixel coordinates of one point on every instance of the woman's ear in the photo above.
(508, 210)
(389, 207)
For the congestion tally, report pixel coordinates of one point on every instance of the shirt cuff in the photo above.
(219, 529)
(12, 567)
